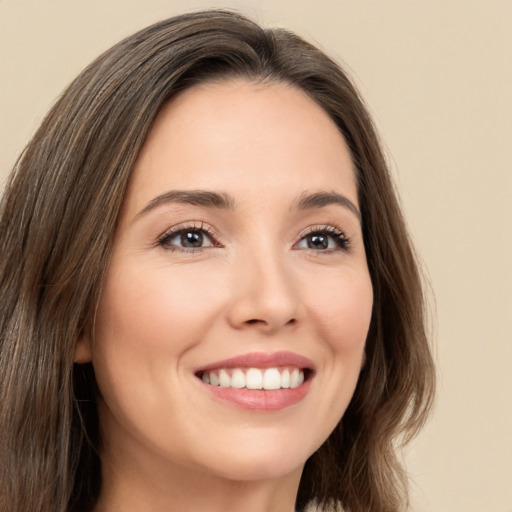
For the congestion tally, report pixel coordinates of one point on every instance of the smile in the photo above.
(259, 381)
(255, 378)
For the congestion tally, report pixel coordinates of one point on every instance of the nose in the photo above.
(264, 294)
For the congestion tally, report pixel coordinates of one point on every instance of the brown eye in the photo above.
(328, 239)
(318, 241)
(192, 239)
(187, 239)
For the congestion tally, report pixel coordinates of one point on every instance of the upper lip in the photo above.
(261, 360)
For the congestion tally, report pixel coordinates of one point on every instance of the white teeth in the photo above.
(214, 379)
(224, 379)
(272, 379)
(294, 378)
(285, 378)
(238, 379)
(254, 378)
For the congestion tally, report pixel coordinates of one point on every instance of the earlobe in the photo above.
(83, 352)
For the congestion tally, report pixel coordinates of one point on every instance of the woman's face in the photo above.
(238, 258)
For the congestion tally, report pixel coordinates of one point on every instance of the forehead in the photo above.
(238, 137)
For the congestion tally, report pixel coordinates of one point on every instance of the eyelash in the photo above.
(340, 239)
(165, 238)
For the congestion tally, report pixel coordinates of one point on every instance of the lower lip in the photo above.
(260, 399)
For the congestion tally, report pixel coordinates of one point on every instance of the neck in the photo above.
(179, 489)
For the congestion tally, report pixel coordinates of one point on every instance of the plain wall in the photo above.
(438, 77)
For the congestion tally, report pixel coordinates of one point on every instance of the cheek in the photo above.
(343, 308)
(343, 312)
(148, 319)
(155, 307)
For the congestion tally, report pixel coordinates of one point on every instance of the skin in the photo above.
(254, 286)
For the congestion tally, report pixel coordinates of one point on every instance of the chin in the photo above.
(260, 469)
(259, 459)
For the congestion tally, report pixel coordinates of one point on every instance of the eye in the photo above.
(326, 239)
(187, 238)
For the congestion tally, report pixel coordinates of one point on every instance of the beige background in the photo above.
(438, 77)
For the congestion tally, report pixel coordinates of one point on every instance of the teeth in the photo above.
(272, 379)
(238, 379)
(214, 379)
(285, 378)
(294, 378)
(224, 379)
(254, 378)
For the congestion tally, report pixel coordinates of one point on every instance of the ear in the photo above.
(83, 352)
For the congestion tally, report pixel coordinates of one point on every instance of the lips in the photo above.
(259, 381)
(261, 360)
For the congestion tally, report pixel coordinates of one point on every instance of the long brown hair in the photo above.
(57, 221)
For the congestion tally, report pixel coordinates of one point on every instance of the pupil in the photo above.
(192, 239)
(318, 242)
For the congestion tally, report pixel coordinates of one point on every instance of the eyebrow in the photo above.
(223, 201)
(321, 199)
(204, 198)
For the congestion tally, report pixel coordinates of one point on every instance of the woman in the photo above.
(210, 300)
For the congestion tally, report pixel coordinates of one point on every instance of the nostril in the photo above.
(257, 322)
